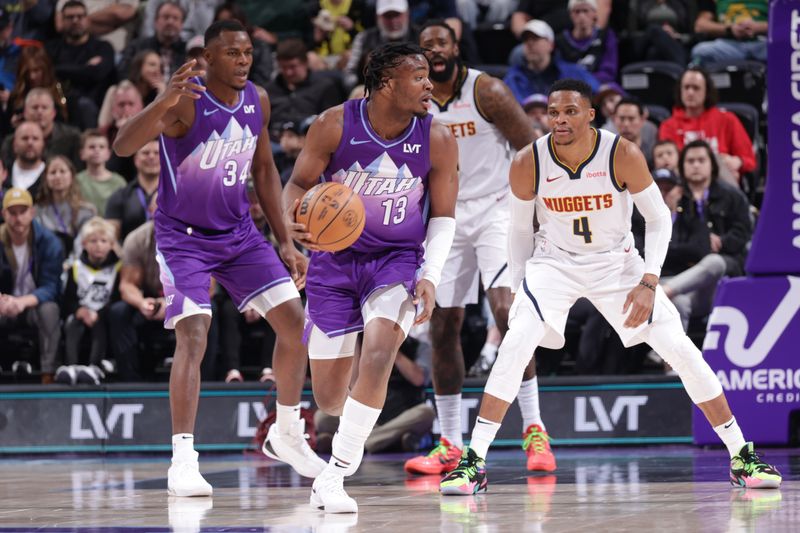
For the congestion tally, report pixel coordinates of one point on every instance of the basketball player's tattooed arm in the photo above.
(442, 192)
(267, 182)
(172, 112)
(632, 171)
(321, 142)
(522, 180)
(499, 105)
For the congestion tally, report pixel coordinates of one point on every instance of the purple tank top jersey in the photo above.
(203, 179)
(391, 177)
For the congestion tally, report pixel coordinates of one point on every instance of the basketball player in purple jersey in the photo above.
(404, 167)
(212, 135)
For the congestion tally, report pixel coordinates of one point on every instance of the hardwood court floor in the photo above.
(620, 489)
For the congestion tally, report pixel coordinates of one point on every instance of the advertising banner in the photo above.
(130, 420)
(753, 344)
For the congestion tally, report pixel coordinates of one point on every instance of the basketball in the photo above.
(333, 214)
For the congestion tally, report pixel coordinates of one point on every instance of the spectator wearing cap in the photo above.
(166, 40)
(393, 24)
(535, 106)
(298, 91)
(630, 121)
(541, 69)
(292, 140)
(30, 270)
(109, 20)
(586, 44)
(83, 63)
(553, 12)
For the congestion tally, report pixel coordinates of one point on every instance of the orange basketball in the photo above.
(333, 214)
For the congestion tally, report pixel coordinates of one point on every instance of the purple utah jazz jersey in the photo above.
(391, 177)
(203, 181)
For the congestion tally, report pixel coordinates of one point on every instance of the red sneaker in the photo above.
(536, 443)
(443, 458)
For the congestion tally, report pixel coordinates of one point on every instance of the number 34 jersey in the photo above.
(584, 209)
(203, 180)
(390, 176)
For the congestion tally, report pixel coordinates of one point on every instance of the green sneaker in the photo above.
(469, 477)
(747, 470)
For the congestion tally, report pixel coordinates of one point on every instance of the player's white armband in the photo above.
(658, 227)
(520, 238)
(438, 241)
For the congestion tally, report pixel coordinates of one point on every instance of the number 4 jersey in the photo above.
(203, 181)
(391, 177)
(581, 210)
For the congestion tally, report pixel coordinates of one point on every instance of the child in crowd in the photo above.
(92, 284)
(97, 183)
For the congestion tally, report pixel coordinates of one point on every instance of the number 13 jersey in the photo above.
(390, 176)
(585, 209)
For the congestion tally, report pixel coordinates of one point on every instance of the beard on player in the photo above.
(442, 67)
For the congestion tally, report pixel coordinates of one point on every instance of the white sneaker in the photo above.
(292, 448)
(185, 514)
(90, 375)
(184, 479)
(66, 375)
(327, 493)
(233, 375)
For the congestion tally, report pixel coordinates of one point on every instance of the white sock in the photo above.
(528, 400)
(355, 425)
(483, 434)
(183, 447)
(731, 435)
(448, 409)
(286, 416)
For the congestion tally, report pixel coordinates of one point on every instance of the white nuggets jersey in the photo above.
(484, 155)
(582, 210)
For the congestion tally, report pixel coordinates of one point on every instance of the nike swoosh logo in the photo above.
(207, 112)
(728, 425)
(354, 142)
(482, 422)
(628, 249)
(337, 463)
(549, 179)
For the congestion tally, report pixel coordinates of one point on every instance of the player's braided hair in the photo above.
(383, 59)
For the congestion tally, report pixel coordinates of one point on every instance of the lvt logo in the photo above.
(601, 419)
(97, 428)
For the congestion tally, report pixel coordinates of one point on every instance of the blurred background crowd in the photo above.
(80, 296)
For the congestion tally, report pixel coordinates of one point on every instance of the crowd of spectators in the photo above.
(80, 294)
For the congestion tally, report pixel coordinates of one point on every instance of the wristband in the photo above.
(648, 285)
